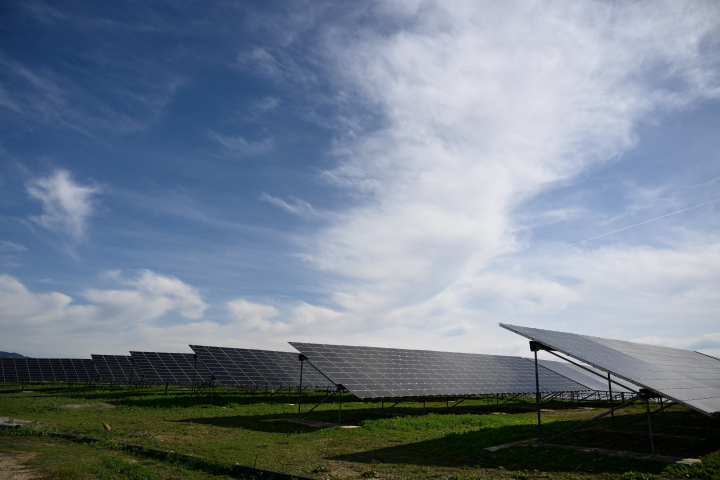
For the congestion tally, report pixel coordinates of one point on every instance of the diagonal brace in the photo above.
(644, 415)
(330, 395)
(632, 400)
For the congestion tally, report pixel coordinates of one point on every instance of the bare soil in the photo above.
(12, 466)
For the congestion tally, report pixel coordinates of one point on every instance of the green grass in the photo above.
(234, 429)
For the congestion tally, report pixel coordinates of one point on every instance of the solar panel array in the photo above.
(48, 370)
(583, 377)
(371, 372)
(687, 377)
(114, 368)
(172, 368)
(243, 367)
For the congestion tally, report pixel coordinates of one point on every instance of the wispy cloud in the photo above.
(67, 205)
(295, 206)
(276, 65)
(239, 147)
(641, 223)
(10, 247)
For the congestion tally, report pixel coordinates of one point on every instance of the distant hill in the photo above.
(11, 355)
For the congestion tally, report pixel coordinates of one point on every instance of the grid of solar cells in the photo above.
(7, 370)
(172, 368)
(583, 377)
(687, 377)
(72, 370)
(114, 368)
(371, 372)
(244, 367)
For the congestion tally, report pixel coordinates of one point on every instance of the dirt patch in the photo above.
(14, 420)
(78, 406)
(12, 466)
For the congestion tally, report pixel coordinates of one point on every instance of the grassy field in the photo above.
(425, 443)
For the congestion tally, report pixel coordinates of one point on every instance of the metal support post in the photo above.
(662, 409)
(166, 387)
(652, 441)
(301, 357)
(192, 387)
(537, 397)
(612, 415)
(340, 408)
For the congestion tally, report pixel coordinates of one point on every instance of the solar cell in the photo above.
(684, 376)
(171, 368)
(114, 368)
(593, 382)
(371, 372)
(242, 367)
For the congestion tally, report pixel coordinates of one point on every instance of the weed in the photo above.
(320, 469)
(369, 474)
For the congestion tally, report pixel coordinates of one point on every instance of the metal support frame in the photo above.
(661, 409)
(391, 406)
(612, 414)
(329, 395)
(597, 417)
(652, 441)
(340, 409)
(458, 402)
(513, 397)
(552, 397)
(533, 347)
(687, 414)
(302, 358)
(338, 388)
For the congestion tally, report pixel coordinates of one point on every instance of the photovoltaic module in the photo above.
(242, 367)
(689, 378)
(371, 372)
(170, 368)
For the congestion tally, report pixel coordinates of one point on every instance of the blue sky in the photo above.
(401, 174)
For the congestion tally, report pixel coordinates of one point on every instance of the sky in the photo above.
(400, 174)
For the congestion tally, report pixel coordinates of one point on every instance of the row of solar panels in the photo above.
(689, 378)
(367, 372)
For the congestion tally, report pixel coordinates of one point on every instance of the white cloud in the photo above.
(252, 315)
(152, 296)
(47, 324)
(484, 106)
(67, 205)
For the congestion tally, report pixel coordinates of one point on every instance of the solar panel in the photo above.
(71, 370)
(77, 370)
(583, 377)
(684, 376)
(7, 370)
(243, 367)
(115, 368)
(371, 372)
(172, 368)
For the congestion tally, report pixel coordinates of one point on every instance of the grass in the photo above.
(234, 430)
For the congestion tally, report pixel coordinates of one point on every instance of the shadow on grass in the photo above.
(467, 449)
